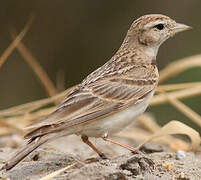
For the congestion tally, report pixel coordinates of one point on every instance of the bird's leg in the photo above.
(134, 151)
(86, 141)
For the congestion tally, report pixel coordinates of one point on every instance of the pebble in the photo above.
(180, 155)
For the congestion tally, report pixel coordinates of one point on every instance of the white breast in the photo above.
(118, 121)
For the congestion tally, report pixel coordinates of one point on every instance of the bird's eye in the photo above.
(159, 26)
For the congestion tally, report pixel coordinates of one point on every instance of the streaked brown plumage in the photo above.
(111, 97)
(105, 88)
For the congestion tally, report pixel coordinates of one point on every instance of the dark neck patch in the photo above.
(153, 62)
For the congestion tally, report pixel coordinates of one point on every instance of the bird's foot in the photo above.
(91, 160)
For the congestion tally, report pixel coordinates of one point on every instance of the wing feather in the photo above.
(97, 98)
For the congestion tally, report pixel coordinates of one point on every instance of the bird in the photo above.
(111, 97)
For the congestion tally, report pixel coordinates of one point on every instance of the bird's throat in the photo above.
(151, 52)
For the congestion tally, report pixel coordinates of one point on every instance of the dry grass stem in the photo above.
(9, 127)
(23, 120)
(142, 135)
(56, 173)
(36, 67)
(25, 108)
(15, 42)
(171, 87)
(196, 118)
(179, 66)
(176, 127)
(149, 123)
(180, 94)
(149, 128)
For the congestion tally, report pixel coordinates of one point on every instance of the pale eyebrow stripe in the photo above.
(151, 24)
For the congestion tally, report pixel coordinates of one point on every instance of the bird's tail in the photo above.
(26, 150)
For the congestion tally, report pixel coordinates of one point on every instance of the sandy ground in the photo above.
(121, 165)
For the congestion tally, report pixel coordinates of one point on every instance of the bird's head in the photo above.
(152, 30)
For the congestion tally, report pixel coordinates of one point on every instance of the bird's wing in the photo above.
(97, 100)
(111, 88)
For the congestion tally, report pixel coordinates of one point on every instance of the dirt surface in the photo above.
(121, 165)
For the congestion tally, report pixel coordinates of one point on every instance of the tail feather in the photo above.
(25, 151)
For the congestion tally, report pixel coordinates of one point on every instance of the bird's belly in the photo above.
(117, 121)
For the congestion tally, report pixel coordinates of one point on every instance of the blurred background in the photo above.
(70, 39)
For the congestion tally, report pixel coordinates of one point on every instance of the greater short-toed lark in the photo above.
(111, 97)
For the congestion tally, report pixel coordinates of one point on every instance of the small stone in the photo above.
(169, 166)
(138, 164)
(180, 155)
(151, 148)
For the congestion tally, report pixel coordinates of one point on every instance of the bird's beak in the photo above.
(181, 27)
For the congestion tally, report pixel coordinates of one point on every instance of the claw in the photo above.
(137, 152)
(103, 156)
